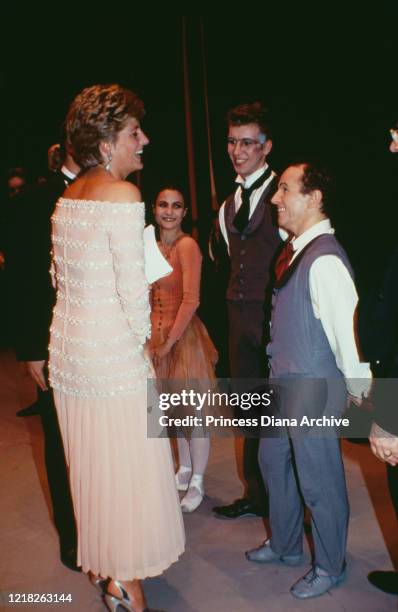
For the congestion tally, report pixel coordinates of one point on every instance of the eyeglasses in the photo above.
(246, 143)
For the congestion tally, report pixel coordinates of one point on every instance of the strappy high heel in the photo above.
(117, 604)
(99, 583)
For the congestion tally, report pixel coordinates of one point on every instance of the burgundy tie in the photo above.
(283, 261)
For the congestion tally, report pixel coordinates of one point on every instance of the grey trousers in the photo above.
(309, 469)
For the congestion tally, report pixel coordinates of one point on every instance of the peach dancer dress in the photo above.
(126, 504)
(174, 300)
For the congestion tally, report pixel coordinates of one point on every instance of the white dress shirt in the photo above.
(68, 173)
(254, 198)
(334, 300)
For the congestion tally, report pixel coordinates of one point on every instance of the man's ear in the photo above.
(267, 147)
(316, 198)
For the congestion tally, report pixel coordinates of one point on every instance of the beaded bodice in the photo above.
(101, 317)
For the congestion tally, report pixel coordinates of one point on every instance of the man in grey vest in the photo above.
(312, 340)
(252, 240)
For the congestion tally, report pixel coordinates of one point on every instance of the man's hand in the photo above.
(384, 445)
(354, 400)
(394, 147)
(36, 371)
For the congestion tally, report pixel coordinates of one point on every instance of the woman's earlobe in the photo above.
(105, 149)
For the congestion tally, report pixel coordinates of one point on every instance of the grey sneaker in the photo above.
(265, 554)
(315, 583)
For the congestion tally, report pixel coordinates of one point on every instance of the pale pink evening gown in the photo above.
(126, 504)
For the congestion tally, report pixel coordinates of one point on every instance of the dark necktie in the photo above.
(283, 261)
(241, 218)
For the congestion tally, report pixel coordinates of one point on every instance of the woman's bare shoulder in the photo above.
(104, 191)
(188, 246)
(121, 191)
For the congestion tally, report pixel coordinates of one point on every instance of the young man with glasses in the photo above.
(252, 239)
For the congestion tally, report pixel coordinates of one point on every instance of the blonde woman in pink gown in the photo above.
(123, 487)
(181, 347)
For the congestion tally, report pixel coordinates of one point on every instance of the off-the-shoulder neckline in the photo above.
(107, 202)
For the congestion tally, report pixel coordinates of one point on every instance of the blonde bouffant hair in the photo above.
(96, 115)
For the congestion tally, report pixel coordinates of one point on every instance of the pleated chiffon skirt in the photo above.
(123, 488)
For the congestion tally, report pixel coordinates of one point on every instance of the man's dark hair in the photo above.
(317, 176)
(255, 112)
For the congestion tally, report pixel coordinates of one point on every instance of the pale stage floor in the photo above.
(213, 574)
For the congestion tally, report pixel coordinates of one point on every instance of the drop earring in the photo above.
(108, 164)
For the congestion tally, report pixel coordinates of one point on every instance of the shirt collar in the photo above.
(322, 227)
(249, 180)
(68, 173)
